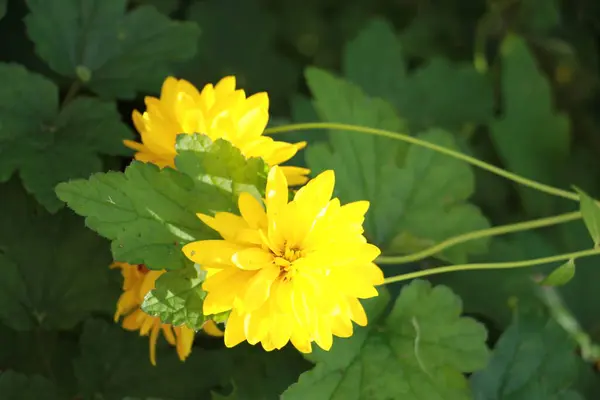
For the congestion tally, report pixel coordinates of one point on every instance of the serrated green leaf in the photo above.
(534, 359)
(16, 386)
(53, 271)
(560, 275)
(114, 53)
(220, 171)
(415, 194)
(240, 43)
(149, 213)
(590, 210)
(47, 146)
(440, 94)
(419, 351)
(177, 299)
(532, 139)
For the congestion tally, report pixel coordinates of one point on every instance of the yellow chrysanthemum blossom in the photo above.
(137, 282)
(293, 272)
(218, 111)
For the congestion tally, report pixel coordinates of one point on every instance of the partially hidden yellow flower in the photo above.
(137, 282)
(293, 272)
(220, 112)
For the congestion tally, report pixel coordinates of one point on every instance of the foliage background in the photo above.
(513, 82)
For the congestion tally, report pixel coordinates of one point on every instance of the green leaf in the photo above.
(419, 351)
(53, 271)
(539, 16)
(560, 275)
(416, 194)
(440, 94)
(534, 359)
(177, 299)
(149, 213)
(16, 386)
(47, 146)
(590, 210)
(239, 38)
(164, 6)
(114, 53)
(532, 139)
(114, 364)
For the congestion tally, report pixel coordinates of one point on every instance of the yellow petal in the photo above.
(211, 329)
(280, 331)
(168, 334)
(234, 330)
(152, 342)
(256, 325)
(358, 312)
(301, 341)
(259, 288)
(225, 223)
(276, 192)
(185, 340)
(295, 176)
(252, 211)
(211, 251)
(252, 258)
(322, 334)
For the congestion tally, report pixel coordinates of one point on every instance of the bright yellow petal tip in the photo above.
(300, 281)
(221, 112)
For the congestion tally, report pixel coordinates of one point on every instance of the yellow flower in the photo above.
(218, 112)
(293, 272)
(137, 282)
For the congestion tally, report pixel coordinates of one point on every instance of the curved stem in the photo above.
(498, 230)
(440, 149)
(503, 265)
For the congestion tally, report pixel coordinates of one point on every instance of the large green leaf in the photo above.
(149, 214)
(53, 271)
(114, 53)
(419, 351)
(440, 94)
(415, 194)
(16, 386)
(531, 138)
(534, 359)
(47, 146)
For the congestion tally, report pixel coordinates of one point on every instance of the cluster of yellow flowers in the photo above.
(285, 270)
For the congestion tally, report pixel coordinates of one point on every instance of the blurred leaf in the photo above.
(53, 271)
(177, 299)
(531, 138)
(114, 53)
(164, 6)
(560, 275)
(47, 146)
(440, 94)
(534, 359)
(114, 364)
(3, 4)
(539, 16)
(590, 210)
(16, 386)
(422, 201)
(238, 38)
(419, 351)
(149, 213)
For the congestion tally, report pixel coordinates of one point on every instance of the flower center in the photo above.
(286, 263)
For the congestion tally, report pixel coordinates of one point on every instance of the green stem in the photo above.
(440, 149)
(498, 230)
(502, 265)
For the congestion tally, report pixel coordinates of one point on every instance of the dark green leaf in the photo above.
(421, 201)
(239, 38)
(114, 53)
(177, 299)
(149, 214)
(16, 386)
(560, 275)
(590, 210)
(419, 351)
(534, 359)
(164, 6)
(47, 146)
(53, 271)
(440, 94)
(3, 8)
(532, 139)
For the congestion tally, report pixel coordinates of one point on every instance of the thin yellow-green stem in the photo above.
(503, 265)
(440, 149)
(498, 230)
